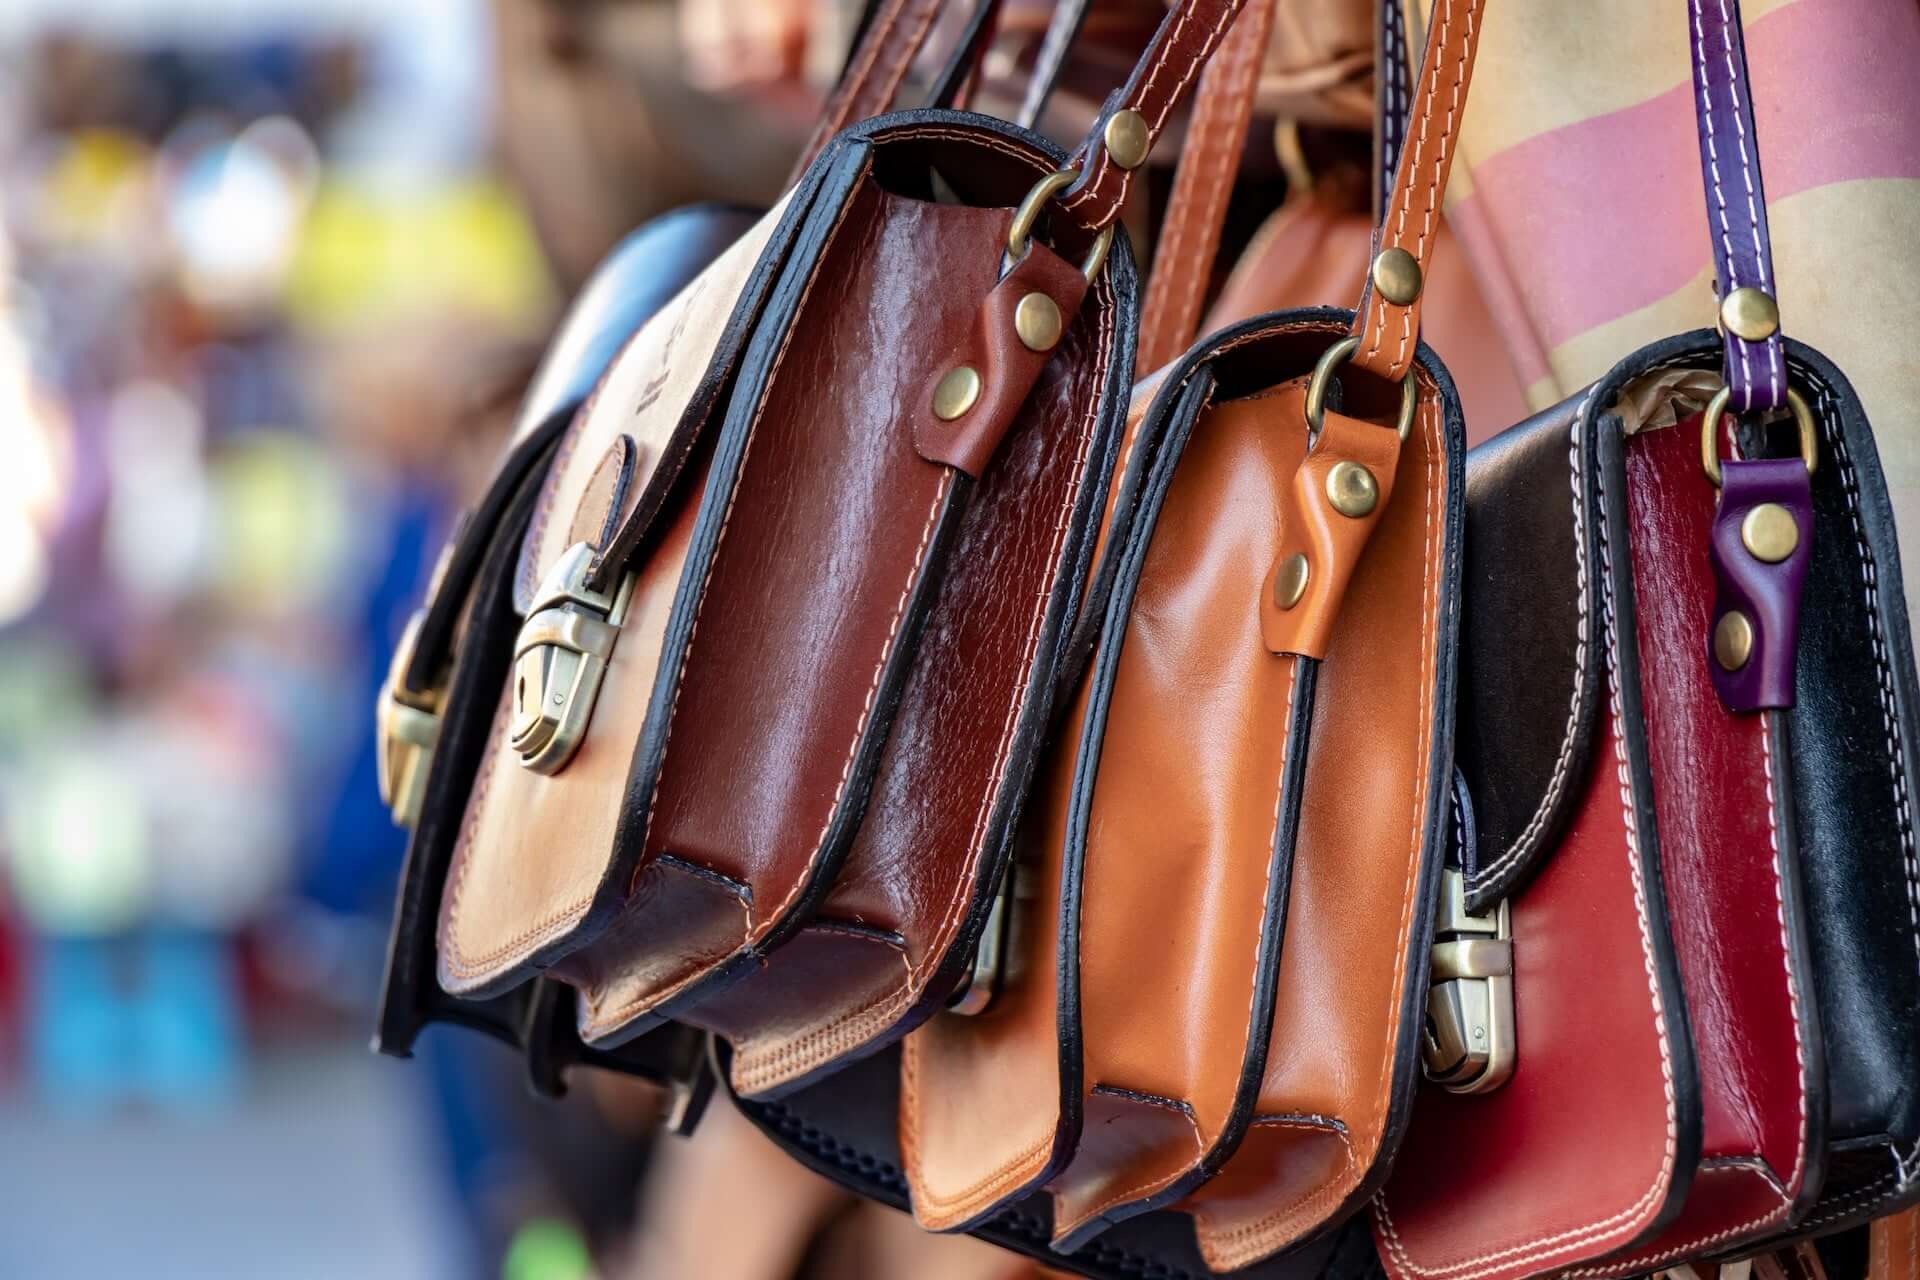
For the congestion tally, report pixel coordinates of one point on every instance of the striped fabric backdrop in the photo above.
(1576, 194)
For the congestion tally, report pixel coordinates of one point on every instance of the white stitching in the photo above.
(1576, 1237)
(1734, 78)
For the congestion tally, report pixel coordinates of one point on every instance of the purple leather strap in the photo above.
(1736, 203)
(1766, 593)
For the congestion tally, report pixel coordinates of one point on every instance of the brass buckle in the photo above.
(1020, 230)
(1332, 358)
(406, 727)
(983, 977)
(1717, 409)
(560, 659)
(1470, 1046)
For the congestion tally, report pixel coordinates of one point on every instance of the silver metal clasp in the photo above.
(989, 971)
(561, 658)
(1470, 1045)
(406, 727)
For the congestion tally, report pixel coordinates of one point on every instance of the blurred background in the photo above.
(272, 273)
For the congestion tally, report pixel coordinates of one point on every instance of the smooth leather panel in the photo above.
(964, 740)
(1590, 1144)
(990, 1104)
(1727, 854)
(822, 466)
(1186, 845)
(1368, 856)
(1534, 691)
(1854, 731)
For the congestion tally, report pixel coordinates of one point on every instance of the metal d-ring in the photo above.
(1717, 408)
(1020, 231)
(1333, 358)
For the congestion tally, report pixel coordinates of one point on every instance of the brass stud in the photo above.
(957, 392)
(1733, 640)
(1750, 313)
(1037, 320)
(1396, 274)
(1290, 581)
(1127, 139)
(1352, 489)
(1770, 532)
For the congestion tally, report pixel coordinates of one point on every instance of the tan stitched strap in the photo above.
(885, 53)
(1197, 206)
(1389, 332)
(1187, 37)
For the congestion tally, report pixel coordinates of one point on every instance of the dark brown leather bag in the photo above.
(796, 586)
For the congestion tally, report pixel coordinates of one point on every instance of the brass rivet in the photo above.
(1770, 532)
(1352, 489)
(1127, 139)
(1037, 320)
(1750, 313)
(1290, 581)
(1396, 274)
(956, 393)
(1733, 640)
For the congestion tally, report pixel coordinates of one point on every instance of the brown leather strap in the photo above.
(1197, 206)
(1187, 37)
(1893, 1247)
(880, 61)
(1390, 331)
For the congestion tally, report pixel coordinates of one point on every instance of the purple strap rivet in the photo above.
(1760, 545)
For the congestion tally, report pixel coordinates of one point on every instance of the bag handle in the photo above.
(1197, 205)
(891, 35)
(1754, 358)
(1386, 328)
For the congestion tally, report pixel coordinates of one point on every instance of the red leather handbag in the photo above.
(1665, 794)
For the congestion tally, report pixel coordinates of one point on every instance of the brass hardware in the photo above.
(1037, 320)
(560, 659)
(984, 977)
(1769, 532)
(1396, 274)
(1020, 230)
(1470, 1041)
(957, 392)
(406, 727)
(1717, 408)
(1127, 138)
(1733, 640)
(1323, 374)
(1750, 313)
(1352, 489)
(1290, 580)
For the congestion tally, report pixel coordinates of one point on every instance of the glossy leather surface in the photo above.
(934, 839)
(1731, 865)
(978, 1126)
(1590, 1146)
(1533, 692)
(1854, 728)
(1342, 1064)
(1768, 594)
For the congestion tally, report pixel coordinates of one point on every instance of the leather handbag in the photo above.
(778, 915)
(1661, 827)
(1183, 808)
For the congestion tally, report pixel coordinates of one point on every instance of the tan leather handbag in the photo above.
(1229, 869)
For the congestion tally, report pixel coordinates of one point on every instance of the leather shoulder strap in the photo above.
(1392, 92)
(1197, 206)
(1187, 37)
(891, 37)
(1389, 330)
(1736, 207)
